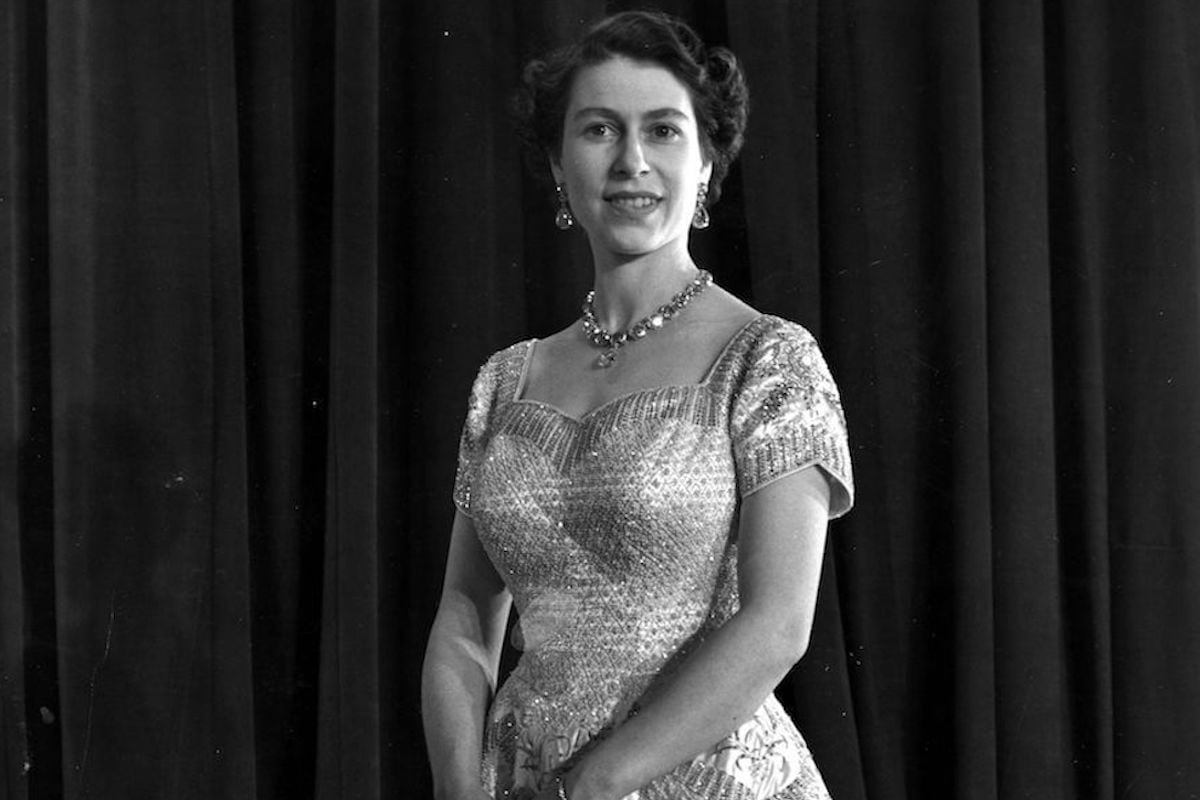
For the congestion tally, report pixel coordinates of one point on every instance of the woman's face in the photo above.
(630, 160)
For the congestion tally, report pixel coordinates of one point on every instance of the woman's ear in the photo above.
(706, 172)
(556, 171)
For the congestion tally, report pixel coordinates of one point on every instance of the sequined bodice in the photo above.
(616, 533)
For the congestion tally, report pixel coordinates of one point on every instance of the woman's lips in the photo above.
(633, 203)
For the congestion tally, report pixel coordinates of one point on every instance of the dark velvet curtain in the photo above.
(251, 255)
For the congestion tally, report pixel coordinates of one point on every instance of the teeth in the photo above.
(633, 202)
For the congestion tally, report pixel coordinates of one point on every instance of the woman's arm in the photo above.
(721, 685)
(461, 661)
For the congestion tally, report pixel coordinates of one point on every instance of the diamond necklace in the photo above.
(612, 342)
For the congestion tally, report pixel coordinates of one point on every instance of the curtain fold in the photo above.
(251, 255)
(151, 567)
(1030, 655)
(349, 736)
(281, 59)
(24, 623)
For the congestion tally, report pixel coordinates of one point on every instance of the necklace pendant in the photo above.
(611, 342)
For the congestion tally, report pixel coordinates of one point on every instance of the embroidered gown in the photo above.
(617, 536)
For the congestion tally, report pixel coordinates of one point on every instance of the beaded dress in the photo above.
(617, 536)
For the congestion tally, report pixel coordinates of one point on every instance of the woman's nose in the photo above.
(631, 160)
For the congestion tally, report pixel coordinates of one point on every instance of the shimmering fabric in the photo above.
(617, 536)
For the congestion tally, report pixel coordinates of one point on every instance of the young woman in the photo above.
(651, 485)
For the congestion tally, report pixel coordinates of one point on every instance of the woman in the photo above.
(651, 486)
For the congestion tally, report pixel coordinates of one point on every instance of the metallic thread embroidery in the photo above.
(616, 535)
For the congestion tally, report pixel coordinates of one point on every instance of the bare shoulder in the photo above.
(560, 344)
(724, 314)
(556, 359)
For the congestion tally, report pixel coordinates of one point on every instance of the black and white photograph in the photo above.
(599, 400)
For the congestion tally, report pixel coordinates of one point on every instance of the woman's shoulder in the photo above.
(764, 336)
(724, 319)
(754, 326)
(498, 375)
(774, 329)
(505, 359)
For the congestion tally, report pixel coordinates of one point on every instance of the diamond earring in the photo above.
(563, 218)
(700, 219)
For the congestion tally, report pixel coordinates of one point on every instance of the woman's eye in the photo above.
(665, 132)
(599, 129)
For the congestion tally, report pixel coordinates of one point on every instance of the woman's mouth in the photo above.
(633, 203)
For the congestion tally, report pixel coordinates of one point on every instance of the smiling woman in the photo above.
(656, 512)
(630, 163)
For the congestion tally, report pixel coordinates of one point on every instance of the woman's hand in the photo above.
(550, 792)
(717, 688)
(576, 789)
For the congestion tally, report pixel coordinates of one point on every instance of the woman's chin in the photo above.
(630, 241)
(631, 247)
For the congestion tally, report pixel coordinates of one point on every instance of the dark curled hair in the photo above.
(712, 75)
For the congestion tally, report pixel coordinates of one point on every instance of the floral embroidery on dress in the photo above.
(789, 415)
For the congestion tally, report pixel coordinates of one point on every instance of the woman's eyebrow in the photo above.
(667, 113)
(594, 111)
(658, 113)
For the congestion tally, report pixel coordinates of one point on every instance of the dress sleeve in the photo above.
(787, 415)
(474, 432)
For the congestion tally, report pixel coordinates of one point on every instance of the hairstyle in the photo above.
(712, 76)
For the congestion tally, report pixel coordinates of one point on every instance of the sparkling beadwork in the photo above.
(614, 534)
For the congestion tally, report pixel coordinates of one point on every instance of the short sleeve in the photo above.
(787, 415)
(473, 440)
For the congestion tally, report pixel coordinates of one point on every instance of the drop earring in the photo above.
(700, 219)
(563, 217)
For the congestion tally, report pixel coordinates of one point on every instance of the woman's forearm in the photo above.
(719, 687)
(457, 683)
(781, 539)
(461, 662)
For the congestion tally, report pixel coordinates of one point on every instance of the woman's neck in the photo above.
(630, 290)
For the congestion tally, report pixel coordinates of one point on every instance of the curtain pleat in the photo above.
(150, 535)
(1030, 656)
(1148, 161)
(1077, 74)
(251, 255)
(349, 738)
(23, 430)
(281, 69)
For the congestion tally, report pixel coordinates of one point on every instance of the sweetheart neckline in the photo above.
(581, 420)
(584, 419)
